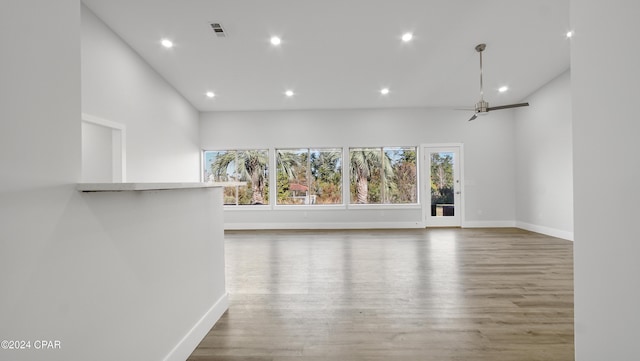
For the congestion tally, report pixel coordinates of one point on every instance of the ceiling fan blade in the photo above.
(508, 106)
(474, 117)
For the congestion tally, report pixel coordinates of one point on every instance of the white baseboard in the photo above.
(488, 224)
(545, 230)
(192, 339)
(397, 225)
(358, 225)
(322, 225)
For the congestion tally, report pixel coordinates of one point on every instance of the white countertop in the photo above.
(119, 187)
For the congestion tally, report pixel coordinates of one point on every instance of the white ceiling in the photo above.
(338, 54)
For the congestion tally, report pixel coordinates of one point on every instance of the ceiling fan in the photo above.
(482, 107)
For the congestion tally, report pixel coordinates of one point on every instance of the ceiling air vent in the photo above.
(218, 30)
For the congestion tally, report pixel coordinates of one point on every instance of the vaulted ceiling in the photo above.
(338, 54)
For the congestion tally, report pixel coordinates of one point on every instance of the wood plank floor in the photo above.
(436, 294)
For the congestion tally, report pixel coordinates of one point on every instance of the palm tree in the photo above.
(364, 162)
(287, 163)
(326, 175)
(325, 164)
(249, 165)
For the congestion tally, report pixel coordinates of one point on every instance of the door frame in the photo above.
(425, 149)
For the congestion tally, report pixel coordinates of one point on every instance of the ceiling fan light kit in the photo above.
(482, 106)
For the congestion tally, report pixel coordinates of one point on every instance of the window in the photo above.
(404, 185)
(309, 176)
(442, 186)
(313, 176)
(246, 166)
(383, 175)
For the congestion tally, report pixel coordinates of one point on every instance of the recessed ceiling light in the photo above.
(503, 89)
(406, 37)
(569, 33)
(275, 40)
(289, 93)
(384, 91)
(210, 94)
(167, 43)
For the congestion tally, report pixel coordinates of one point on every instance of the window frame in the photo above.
(239, 206)
(345, 181)
(416, 204)
(309, 176)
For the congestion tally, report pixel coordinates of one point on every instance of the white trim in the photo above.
(426, 198)
(463, 190)
(489, 224)
(202, 170)
(322, 225)
(103, 122)
(373, 206)
(342, 206)
(346, 174)
(192, 339)
(253, 207)
(545, 230)
(120, 187)
(306, 207)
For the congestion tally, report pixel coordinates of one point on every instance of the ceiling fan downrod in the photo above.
(480, 48)
(481, 106)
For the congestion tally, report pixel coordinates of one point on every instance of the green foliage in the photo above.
(249, 166)
(326, 176)
(318, 170)
(383, 175)
(290, 168)
(441, 178)
(229, 195)
(370, 171)
(282, 187)
(378, 175)
(404, 188)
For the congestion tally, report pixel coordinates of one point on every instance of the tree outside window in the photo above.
(313, 176)
(385, 175)
(250, 166)
(309, 176)
(442, 178)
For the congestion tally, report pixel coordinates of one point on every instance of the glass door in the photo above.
(443, 187)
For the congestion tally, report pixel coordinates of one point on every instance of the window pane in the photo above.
(220, 166)
(402, 187)
(442, 184)
(252, 168)
(384, 175)
(379, 175)
(292, 176)
(366, 175)
(326, 176)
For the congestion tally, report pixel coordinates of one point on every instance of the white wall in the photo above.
(117, 85)
(153, 281)
(74, 269)
(544, 169)
(605, 77)
(97, 153)
(488, 145)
